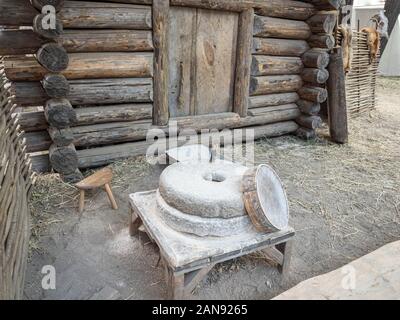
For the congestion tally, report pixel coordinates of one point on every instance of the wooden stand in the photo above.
(188, 260)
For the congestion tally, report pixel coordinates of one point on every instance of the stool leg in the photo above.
(286, 249)
(81, 201)
(111, 196)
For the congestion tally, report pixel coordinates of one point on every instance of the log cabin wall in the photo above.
(102, 75)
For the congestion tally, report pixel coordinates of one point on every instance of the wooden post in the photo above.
(161, 74)
(244, 58)
(337, 107)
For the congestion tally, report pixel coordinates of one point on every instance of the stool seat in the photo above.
(96, 180)
(101, 178)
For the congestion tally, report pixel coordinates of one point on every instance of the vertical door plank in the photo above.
(216, 44)
(181, 37)
(160, 38)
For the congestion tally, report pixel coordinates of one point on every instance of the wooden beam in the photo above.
(161, 58)
(270, 65)
(275, 84)
(243, 65)
(272, 99)
(268, 27)
(280, 47)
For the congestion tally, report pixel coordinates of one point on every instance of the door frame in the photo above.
(161, 53)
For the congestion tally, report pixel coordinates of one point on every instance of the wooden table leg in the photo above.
(175, 284)
(111, 196)
(82, 201)
(134, 224)
(286, 249)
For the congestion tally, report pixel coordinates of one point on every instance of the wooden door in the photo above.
(202, 61)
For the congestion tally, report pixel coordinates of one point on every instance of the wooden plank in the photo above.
(84, 66)
(243, 62)
(161, 69)
(215, 61)
(182, 26)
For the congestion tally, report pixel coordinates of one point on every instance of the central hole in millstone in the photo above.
(214, 177)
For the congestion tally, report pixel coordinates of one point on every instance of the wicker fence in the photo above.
(361, 80)
(15, 182)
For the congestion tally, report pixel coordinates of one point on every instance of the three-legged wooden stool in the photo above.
(100, 179)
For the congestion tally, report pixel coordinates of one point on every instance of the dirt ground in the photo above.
(344, 202)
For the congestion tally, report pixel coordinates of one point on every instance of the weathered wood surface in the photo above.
(95, 157)
(265, 199)
(17, 13)
(316, 58)
(202, 63)
(337, 106)
(263, 110)
(310, 122)
(270, 65)
(305, 133)
(37, 141)
(273, 99)
(161, 67)
(63, 159)
(92, 15)
(314, 75)
(325, 4)
(109, 133)
(39, 4)
(55, 85)
(281, 28)
(32, 121)
(59, 113)
(113, 113)
(315, 94)
(50, 33)
(275, 84)
(40, 163)
(15, 42)
(84, 66)
(52, 57)
(324, 41)
(309, 107)
(243, 64)
(295, 10)
(280, 47)
(322, 23)
(87, 92)
(61, 137)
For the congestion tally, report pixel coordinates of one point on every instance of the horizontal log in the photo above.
(47, 33)
(59, 113)
(37, 141)
(326, 41)
(32, 121)
(275, 84)
(16, 13)
(92, 15)
(295, 10)
(314, 75)
(18, 42)
(14, 42)
(280, 28)
(107, 40)
(322, 23)
(53, 57)
(100, 156)
(273, 100)
(87, 92)
(309, 107)
(55, 85)
(63, 159)
(325, 4)
(40, 163)
(266, 110)
(39, 4)
(84, 66)
(280, 47)
(270, 65)
(305, 133)
(109, 133)
(61, 137)
(316, 58)
(310, 122)
(314, 94)
(113, 113)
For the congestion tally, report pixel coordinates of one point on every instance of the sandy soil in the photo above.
(344, 202)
